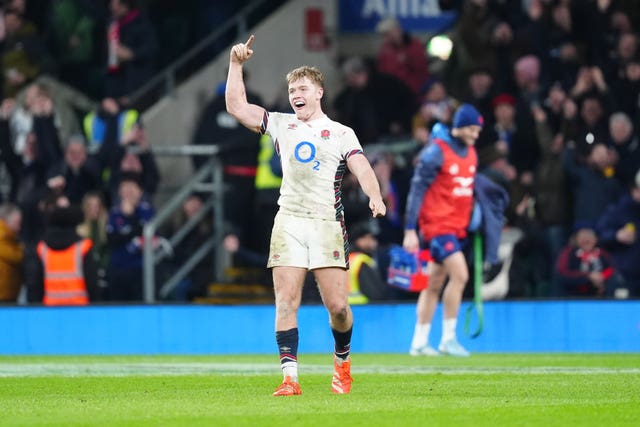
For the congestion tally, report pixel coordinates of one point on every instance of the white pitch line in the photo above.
(181, 369)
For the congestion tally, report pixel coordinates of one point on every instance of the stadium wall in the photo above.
(514, 326)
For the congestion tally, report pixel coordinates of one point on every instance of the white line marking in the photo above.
(180, 369)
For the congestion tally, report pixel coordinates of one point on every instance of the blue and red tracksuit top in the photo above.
(440, 199)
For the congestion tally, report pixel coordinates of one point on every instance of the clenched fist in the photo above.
(242, 51)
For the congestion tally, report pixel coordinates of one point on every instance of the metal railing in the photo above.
(208, 179)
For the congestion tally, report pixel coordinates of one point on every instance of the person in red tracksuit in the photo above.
(585, 269)
(439, 206)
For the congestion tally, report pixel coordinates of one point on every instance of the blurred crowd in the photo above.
(558, 85)
(76, 170)
(557, 82)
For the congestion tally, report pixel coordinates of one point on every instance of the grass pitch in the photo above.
(389, 390)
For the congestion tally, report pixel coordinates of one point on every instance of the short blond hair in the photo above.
(312, 73)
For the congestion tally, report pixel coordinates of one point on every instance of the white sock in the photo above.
(421, 335)
(449, 329)
(290, 369)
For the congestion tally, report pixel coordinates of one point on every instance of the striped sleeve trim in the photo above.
(352, 152)
(264, 123)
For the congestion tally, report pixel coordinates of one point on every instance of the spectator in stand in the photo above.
(626, 144)
(584, 268)
(402, 55)
(530, 92)
(554, 108)
(475, 38)
(94, 228)
(134, 155)
(627, 48)
(33, 11)
(22, 114)
(436, 106)
(626, 89)
(37, 121)
(27, 171)
(32, 187)
(64, 271)
(366, 283)
(8, 156)
(518, 144)
(23, 54)
(70, 35)
(11, 253)
(480, 91)
(591, 125)
(74, 176)
(592, 182)
(606, 20)
(552, 200)
(196, 283)
(124, 234)
(68, 104)
(374, 105)
(132, 50)
(618, 232)
(565, 64)
(105, 127)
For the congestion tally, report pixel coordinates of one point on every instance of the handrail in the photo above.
(199, 182)
(168, 74)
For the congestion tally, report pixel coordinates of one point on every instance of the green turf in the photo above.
(395, 390)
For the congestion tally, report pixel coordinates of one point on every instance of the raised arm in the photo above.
(250, 115)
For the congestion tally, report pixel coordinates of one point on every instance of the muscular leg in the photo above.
(287, 283)
(428, 298)
(456, 267)
(334, 289)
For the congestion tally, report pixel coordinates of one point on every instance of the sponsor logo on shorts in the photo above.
(336, 254)
(449, 246)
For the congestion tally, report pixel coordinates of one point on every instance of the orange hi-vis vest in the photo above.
(64, 282)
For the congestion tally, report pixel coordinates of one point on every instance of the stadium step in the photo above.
(238, 293)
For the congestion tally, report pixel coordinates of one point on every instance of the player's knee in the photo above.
(286, 307)
(460, 278)
(339, 311)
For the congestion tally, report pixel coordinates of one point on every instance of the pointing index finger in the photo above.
(250, 40)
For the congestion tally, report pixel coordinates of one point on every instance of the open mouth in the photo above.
(299, 104)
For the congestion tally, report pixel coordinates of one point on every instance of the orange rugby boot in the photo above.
(288, 388)
(341, 382)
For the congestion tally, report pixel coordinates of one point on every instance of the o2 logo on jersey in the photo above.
(305, 152)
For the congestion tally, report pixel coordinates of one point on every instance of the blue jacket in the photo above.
(615, 217)
(592, 191)
(492, 200)
(124, 233)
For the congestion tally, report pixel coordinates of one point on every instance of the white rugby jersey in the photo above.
(314, 159)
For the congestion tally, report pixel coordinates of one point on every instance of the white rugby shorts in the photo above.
(307, 243)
